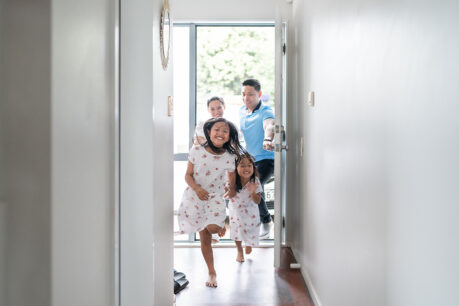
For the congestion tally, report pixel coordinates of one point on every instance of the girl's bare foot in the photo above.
(222, 232)
(248, 249)
(240, 256)
(212, 281)
(215, 238)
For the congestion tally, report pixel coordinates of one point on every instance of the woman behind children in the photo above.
(243, 209)
(203, 207)
(216, 109)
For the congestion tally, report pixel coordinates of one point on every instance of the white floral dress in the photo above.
(245, 217)
(210, 172)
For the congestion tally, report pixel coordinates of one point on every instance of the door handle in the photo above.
(280, 131)
(278, 147)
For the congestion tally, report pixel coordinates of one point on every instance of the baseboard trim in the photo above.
(307, 279)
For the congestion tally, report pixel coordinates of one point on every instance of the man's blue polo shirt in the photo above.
(252, 127)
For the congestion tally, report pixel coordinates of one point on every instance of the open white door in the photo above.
(280, 138)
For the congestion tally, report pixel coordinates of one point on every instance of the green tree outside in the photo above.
(226, 56)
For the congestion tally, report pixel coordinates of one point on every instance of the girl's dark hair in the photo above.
(232, 145)
(254, 174)
(215, 98)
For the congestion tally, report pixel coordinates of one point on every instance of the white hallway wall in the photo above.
(146, 159)
(83, 188)
(227, 11)
(377, 220)
(25, 210)
(57, 125)
(58, 147)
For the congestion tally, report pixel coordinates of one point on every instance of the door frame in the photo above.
(193, 26)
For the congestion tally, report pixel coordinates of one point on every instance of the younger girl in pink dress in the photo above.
(243, 208)
(210, 166)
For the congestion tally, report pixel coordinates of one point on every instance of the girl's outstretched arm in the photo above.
(202, 194)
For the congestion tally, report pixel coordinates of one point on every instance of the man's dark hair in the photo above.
(252, 82)
(216, 99)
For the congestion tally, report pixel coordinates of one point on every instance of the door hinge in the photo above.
(283, 48)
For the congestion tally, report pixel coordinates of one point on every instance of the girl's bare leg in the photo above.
(206, 249)
(240, 253)
(248, 249)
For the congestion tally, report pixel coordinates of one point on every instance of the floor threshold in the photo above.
(221, 244)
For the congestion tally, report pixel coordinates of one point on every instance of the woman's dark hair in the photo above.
(254, 174)
(232, 145)
(215, 98)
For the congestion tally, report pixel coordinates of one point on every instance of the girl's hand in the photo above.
(230, 193)
(202, 194)
(251, 187)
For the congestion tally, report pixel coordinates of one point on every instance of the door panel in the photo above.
(280, 139)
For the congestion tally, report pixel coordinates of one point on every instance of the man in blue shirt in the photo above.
(257, 125)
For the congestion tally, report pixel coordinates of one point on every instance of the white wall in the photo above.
(163, 182)
(146, 160)
(83, 150)
(377, 215)
(136, 150)
(227, 11)
(25, 215)
(57, 125)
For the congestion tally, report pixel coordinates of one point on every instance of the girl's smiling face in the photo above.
(219, 134)
(216, 109)
(245, 168)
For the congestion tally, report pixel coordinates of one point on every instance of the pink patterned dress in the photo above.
(210, 172)
(245, 217)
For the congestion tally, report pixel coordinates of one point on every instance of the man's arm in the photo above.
(268, 126)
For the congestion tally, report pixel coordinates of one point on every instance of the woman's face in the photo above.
(245, 168)
(216, 109)
(219, 134)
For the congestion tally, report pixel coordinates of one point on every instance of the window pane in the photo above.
(181, 55)
(226, 56)
(181, 58)
(179, 182)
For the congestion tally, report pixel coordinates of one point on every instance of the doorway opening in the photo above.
(213, 60)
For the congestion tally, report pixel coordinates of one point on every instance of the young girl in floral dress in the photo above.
(243, 208)
(210, 166)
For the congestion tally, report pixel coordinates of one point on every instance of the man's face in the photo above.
(250, 97)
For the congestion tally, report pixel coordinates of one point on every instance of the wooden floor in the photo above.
(254, 282)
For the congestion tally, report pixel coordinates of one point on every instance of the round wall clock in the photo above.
(165, 34)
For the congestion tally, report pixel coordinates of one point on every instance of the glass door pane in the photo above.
(225, 57)
(181, 56)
